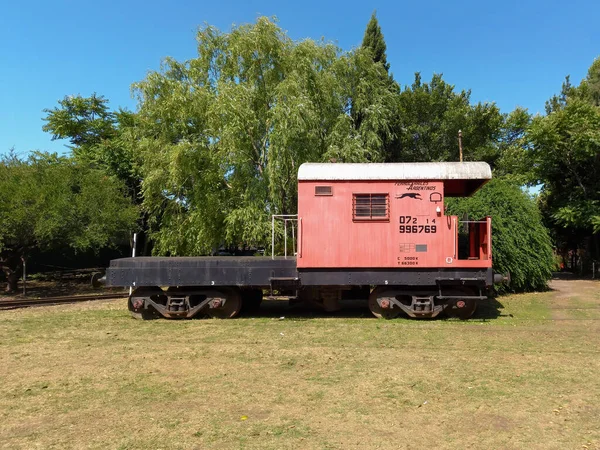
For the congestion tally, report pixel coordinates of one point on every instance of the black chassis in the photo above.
(278, 273)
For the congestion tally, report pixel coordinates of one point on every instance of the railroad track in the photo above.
(27, 302)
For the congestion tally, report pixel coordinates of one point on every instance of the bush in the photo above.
(520, 242)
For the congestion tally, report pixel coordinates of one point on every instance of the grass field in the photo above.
(523, 374)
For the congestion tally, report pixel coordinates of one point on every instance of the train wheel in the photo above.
(137, 303)
(462, 308)
(376, 309)
(231, 307)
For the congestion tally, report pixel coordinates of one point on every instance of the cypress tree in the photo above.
(373, 40)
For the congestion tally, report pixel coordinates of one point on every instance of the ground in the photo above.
(522, 374)
(56, 287)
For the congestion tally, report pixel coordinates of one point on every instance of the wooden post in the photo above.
(24, 276)
(460, 144)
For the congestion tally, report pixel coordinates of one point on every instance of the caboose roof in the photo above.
(460, 178)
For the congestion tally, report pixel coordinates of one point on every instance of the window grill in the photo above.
(370, 207)
(323, 190)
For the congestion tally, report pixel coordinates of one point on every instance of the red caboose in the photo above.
(389, 218)
(363, 230)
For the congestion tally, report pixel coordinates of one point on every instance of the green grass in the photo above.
(521, 374)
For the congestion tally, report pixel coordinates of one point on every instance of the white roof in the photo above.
(395, 171)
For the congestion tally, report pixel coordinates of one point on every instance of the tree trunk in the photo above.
(9, 264)
(11, 279)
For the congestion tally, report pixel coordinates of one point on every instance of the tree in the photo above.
(374, 41)
(98, 136)
(431, 115)
(514, 161)
(590, 86)
(86, 122)
(48, 202)
(565, 152)
(221, 136)
(520, 242)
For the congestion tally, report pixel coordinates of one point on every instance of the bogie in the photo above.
(389, 302)
(184, 303)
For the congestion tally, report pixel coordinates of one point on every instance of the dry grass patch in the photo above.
(88, 376)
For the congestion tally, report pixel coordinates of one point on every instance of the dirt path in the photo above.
(575, 299)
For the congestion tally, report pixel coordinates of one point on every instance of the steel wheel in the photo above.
(462, 308)
(231, 308)
(376, 309)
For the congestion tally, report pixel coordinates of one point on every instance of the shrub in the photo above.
(520, 243)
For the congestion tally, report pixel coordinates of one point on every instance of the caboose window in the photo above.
(370, 207)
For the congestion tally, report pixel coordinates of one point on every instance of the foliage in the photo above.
(86, 122)
(432, 114)
(587, 91)
(566, 148)
(565, 154)
(590, 86)
(47, 201)
(374, 41)
(98, 136)
(520, 242)
(515, 162)
(221, 136)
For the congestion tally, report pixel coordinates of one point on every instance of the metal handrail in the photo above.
(286, 218)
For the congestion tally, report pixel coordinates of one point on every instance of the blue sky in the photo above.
(514, 53)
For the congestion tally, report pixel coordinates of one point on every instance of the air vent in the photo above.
(323, 190)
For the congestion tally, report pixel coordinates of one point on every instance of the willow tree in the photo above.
(221, 136)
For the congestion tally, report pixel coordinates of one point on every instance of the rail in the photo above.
(27, 302)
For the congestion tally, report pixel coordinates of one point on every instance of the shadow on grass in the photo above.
(489, 309)
(353, 309)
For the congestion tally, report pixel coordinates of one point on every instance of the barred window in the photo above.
(370, 207)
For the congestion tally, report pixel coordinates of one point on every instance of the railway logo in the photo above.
(413, 195)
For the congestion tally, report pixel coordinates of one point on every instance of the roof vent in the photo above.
(323, 190)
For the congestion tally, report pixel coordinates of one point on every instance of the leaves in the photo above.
(520, 242)
(220, 137)
(373, 40)
(99, 137)
(48, 201)
(431, 114)
(566, 151)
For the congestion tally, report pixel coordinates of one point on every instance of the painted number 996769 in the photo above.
(418, 229)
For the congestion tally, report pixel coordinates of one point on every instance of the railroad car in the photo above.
(376, 231)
